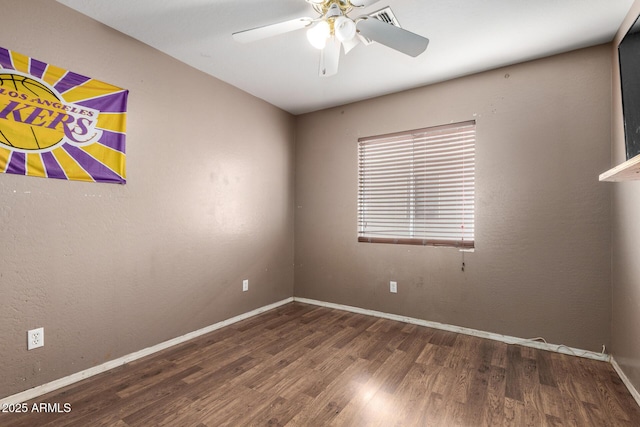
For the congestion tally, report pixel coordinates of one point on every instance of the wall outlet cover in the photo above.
(35, 338)
(393, 287)
(245, 285)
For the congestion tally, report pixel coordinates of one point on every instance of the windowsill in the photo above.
(466, 246)
(627, 171)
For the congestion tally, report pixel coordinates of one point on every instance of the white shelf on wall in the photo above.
(627, 171)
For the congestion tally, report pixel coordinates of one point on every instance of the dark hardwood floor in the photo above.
(302, 365)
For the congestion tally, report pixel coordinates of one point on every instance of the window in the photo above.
(418, 187)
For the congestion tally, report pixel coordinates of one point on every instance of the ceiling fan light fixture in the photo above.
(345, 28)
(348, 45)
(318, 34)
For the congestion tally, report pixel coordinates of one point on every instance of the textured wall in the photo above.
(625, 326)
(109, 269)
(541, 266)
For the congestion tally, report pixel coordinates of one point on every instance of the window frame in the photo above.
(414, 195)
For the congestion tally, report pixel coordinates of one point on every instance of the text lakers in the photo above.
(77, 123)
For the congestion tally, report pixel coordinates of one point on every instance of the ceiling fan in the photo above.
(334, 29)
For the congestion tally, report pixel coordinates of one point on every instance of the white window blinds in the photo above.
(418, 187)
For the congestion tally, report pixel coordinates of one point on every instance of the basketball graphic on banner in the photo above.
(18, 89)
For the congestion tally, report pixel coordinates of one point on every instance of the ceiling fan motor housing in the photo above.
(323, 6)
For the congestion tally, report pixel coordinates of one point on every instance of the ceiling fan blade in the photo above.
(271, 30)
(363, 3)
(396, 38)
(329, 58)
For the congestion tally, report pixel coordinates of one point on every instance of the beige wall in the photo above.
(108, 270)
(541, 266)
(625, 327)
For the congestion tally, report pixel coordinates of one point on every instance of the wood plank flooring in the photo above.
(301, 365)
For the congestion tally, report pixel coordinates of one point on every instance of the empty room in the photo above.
(319, 212)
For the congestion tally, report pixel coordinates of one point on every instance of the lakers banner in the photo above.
(58, 124)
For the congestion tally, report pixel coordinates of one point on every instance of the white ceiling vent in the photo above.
(385, 15)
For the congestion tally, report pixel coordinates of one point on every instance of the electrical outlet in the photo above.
(35, 338)
(245, 285)
(393, 287)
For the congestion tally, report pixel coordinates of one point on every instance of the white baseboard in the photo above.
(79, 376)
(462, 330)
(626, 380)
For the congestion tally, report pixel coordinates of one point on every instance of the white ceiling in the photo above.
(466, 36)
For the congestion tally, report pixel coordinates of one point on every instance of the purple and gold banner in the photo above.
(58, 124)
